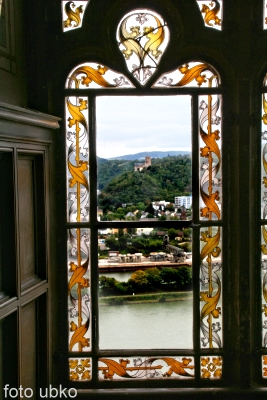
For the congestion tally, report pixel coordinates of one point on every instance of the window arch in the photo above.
(85, 84)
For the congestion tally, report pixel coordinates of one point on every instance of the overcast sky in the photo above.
(129, 125)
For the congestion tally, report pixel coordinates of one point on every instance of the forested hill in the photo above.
(152, 154)
(109, 169)
(163, 180)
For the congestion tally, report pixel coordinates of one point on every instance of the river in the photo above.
(147, 326)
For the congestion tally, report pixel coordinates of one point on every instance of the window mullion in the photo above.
(196, 233)
(94, 234)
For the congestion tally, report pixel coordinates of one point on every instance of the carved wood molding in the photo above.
(28, 116)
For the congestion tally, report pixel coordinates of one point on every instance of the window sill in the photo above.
(185, 393)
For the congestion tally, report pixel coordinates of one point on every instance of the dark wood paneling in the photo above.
(8, 352)
(28, 346)
(7, 228)
(26, 220)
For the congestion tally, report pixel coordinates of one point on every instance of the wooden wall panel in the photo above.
(26, 220)
(28, 346)
(9, 351)
(7, 227)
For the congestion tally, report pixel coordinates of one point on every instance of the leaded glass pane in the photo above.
(264, 157)
(72, 14)
(265, 14)
(264, 283)
(211, 367)
(193, 74)
(145, 284)
(211, 287)
(79, 289)
(210, 157)
(80, 369)
(94, 75)
(212, 13)
(142, 37)
(146, 368)
(264, 366)
(77, 148)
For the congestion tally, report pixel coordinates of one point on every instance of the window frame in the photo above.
(94, 225)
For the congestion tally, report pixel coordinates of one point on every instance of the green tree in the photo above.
(107, 285)
(153, 277)
(139, 281)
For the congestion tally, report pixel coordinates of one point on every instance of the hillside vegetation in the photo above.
(163, 180)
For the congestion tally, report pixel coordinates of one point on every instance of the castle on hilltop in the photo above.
(140, 166)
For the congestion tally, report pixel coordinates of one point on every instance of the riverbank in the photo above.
(145, 298)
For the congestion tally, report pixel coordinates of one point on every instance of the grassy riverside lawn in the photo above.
(145, 298)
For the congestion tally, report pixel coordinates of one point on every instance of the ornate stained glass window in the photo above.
(211, 12)
(94, 75)
(144, 214)
(72, 14)
(193, 74)
(264, 229)
(146, 368)
(142, 37)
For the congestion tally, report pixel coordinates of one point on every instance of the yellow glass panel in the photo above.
(72, 14)
(142, 36)
(93, 75)
(146, 368)
(80, 369)
(210, 157)
(211, 367)
(79, 290)
(212, 13)
(193, 74)
(211, 288)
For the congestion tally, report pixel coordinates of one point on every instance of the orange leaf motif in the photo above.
(78, 336)
(77, 276)
(113, 367)
(93, 75)
(205, 374)
(178, 367)
(263, 246)
(76, 114)
(212, 245)
(211, 205)
(211, 14)
(192, 73)
(77, 174)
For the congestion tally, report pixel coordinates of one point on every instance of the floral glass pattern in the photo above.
(264, 227)
(142, 37)
(264, 284)
(93, 75)
(264, 156)
(265, 14)
(72, 14)
(211, 288)
(212, 13)
(193, 74)
(80, 369)
(211, 367)
(210, 157)
(77, 159)
(146, 368)
(79, 289)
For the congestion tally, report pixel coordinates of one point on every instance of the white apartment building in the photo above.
(185, 201)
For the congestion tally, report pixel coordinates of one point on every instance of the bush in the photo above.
(107, 285)
(150, 280)
(176, 278)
